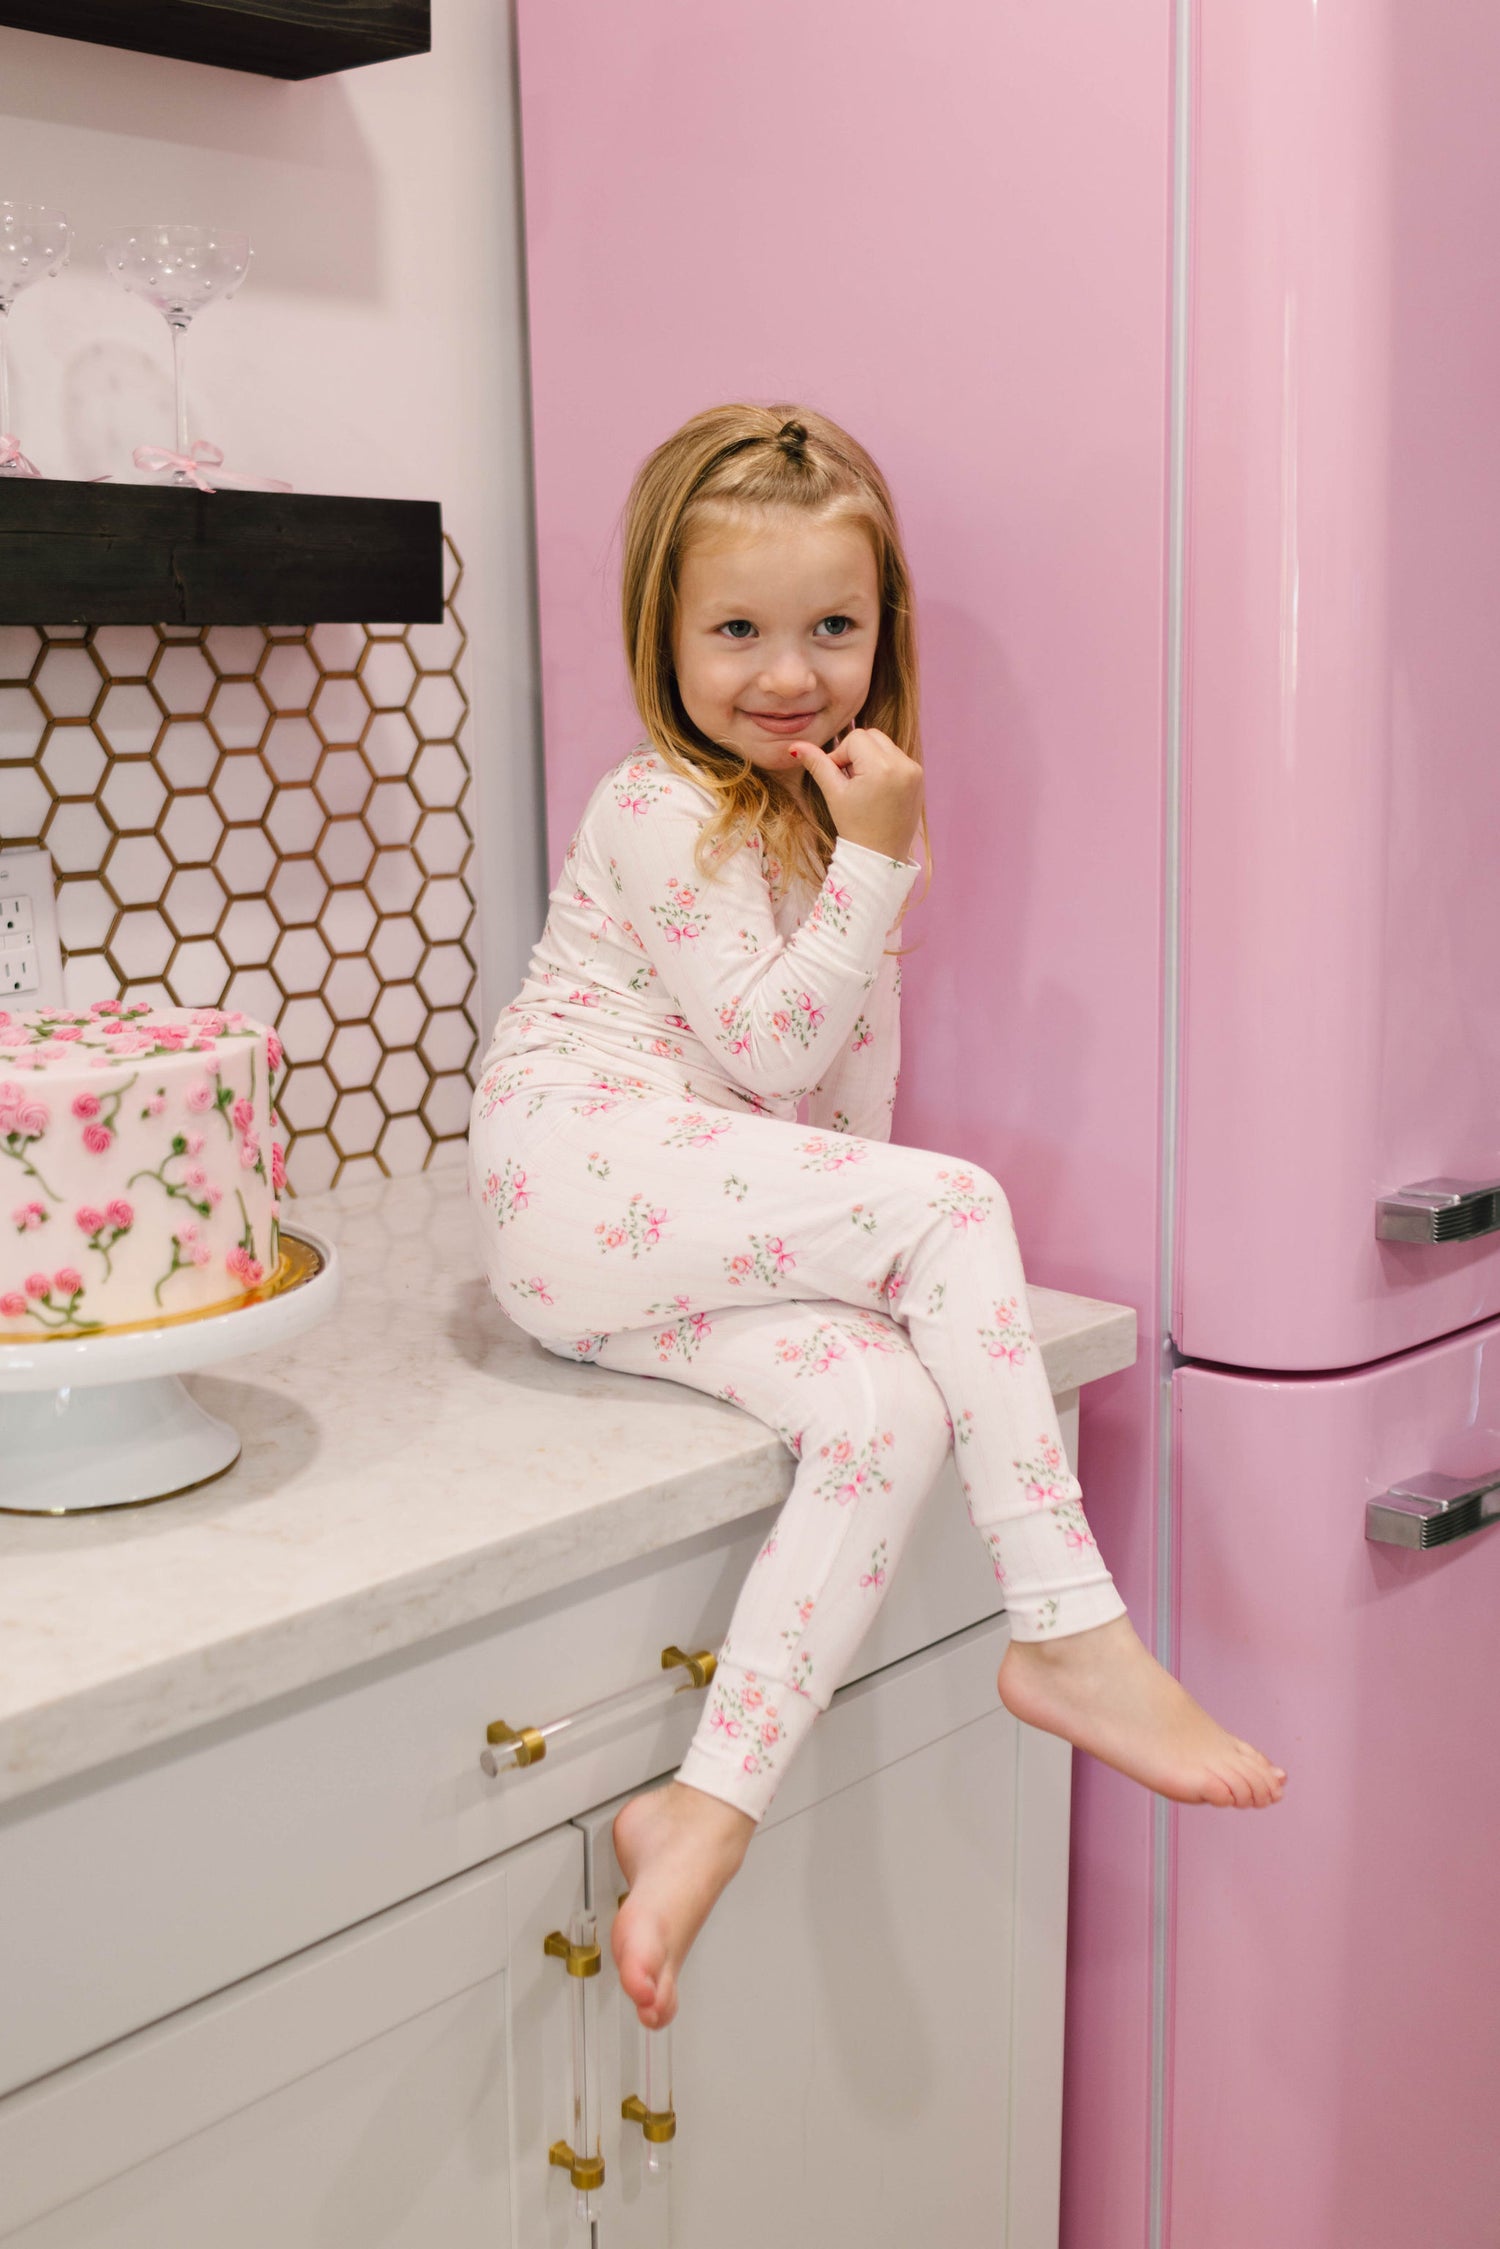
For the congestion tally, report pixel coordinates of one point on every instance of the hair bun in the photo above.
(792, 434)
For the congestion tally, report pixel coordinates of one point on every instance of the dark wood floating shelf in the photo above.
(277, 38)
(138, 554)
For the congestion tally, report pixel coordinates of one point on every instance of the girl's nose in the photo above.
(786, 671)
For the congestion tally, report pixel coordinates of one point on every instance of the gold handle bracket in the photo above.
(656, 2124)
(582, 1959)
(586, 2171)
(532, 1748)
(700, 1667)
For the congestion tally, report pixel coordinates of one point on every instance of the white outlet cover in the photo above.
(28, 874)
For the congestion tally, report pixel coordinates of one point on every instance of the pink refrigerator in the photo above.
(1177, 331)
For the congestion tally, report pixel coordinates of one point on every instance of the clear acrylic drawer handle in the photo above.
(509, 1746)
(1433, 1510)
(652, 2108)
(581, 2157)
(1439, 1210)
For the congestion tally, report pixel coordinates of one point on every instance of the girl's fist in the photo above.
(874, 790)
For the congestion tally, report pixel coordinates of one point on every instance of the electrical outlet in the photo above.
(30, 955)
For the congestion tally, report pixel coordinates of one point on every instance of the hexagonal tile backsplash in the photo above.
(274, 818)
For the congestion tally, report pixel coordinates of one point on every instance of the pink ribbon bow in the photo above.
(10, 451)
(191, 464)
(204, 455)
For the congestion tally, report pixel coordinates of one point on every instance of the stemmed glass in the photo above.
(179, 269)
(34, 243)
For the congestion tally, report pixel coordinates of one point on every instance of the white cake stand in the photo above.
(102, 1420)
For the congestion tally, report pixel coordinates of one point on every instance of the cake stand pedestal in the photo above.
(97, 1421)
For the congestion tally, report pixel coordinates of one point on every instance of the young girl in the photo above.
(716, 951)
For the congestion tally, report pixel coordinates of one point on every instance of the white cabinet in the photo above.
(390, 2088)
(868, 2050)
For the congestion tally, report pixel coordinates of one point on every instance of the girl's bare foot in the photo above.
(677, 1848)
(1105, 1692)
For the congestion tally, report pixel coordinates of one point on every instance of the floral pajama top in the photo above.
(740, 989)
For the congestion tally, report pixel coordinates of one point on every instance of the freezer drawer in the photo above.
(1336, 2044)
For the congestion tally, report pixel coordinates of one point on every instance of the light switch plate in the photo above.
(30, 954)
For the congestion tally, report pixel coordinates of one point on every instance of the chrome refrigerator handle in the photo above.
(1439, 1210)
(1432, 1510)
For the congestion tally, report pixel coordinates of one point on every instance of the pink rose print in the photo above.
(186, 1237)
(1047, 1479)
(67, 1280)
(243, 1115)
(962, 1199)
(97, 1138)
(36, 1284)
(88, 1220)
(13, 1305)
(201, 1096)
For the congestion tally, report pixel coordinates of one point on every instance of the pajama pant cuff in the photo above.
(1077, 1608)
(747, 1736)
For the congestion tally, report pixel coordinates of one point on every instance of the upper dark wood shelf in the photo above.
(277, 38)
(139, 554)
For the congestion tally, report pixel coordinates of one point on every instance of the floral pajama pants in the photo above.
(865, 1300)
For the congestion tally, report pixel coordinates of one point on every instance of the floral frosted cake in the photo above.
(138, 1173)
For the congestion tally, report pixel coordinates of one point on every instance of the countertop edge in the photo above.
(135, 1711)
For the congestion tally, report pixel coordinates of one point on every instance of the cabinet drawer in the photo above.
(180, 1871)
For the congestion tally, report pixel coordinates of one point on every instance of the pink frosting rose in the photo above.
(97, 1138)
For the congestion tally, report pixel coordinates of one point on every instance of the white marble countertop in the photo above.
(415, 1463)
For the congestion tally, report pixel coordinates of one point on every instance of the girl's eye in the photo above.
(847, 623)
(732, 627)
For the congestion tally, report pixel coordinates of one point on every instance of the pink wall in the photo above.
(951, 234)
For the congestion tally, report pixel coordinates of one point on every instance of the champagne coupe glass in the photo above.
(179, 269)
(34, 243)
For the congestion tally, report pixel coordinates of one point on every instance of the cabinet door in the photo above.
(868, 2047)
(394, 2087)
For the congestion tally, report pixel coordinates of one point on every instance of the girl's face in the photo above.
(775, 631)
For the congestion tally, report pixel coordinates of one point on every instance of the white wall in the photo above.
(378, 345)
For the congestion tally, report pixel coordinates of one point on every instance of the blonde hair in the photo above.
(725, 460)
